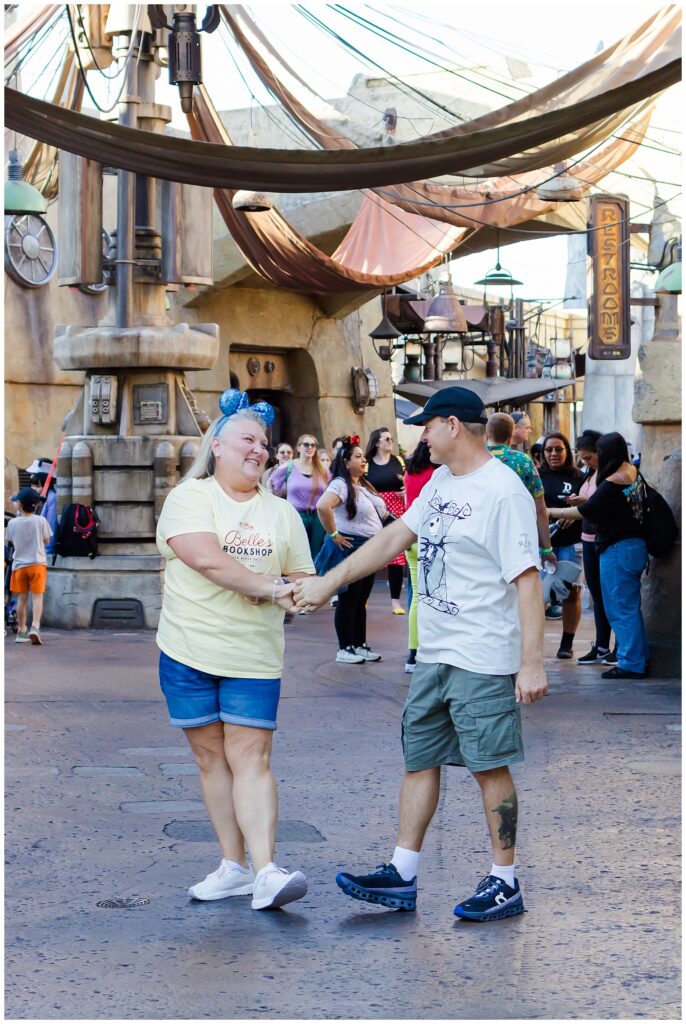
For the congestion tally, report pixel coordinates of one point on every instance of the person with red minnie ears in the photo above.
(351, 512)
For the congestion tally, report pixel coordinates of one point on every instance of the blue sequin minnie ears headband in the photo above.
(233, 401)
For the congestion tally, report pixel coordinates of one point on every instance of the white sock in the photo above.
(504, 871)
(234, 864)
(406, 863)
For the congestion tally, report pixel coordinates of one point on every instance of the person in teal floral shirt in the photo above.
(499, 431)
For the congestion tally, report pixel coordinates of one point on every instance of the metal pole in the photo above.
(126, 191)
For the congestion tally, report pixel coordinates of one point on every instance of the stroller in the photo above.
(10, 602)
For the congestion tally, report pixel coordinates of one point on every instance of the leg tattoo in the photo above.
(507, 830)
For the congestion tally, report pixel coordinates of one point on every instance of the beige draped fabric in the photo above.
(22, 30)
(40, 167)
(280, 254)
(278, 170)
(384, 245)
(652, 45)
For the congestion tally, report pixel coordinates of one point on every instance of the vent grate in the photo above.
(126, 903)
(112, 613)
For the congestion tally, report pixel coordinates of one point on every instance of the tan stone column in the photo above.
(657, 406)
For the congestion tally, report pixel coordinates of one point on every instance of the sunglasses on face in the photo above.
(548, 450)
(308, 444)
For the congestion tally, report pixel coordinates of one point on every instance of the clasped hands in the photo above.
(304, 594)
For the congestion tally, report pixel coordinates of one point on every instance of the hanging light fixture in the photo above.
(20, 196)
(669, 279)
(385, 332)
(498, 277)
(247, 201)
(445, 314)
(563, 188)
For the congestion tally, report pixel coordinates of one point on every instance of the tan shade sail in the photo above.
(271, 170)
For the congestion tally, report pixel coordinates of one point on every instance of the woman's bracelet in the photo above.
(277, 583)
(333, 535)
(546, 551)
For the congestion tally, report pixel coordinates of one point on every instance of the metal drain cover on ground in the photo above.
(127, 903)
(202, 832)
(109, 613)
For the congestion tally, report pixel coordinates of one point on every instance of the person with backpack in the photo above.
(617, 509)
(28, 535)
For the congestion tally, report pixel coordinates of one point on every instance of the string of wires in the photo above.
(124, 66)
(420, 52)
(425, 100)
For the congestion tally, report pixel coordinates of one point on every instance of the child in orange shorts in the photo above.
(28, 535)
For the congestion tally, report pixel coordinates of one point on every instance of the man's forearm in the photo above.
(531, 618)
(542, 524)
(375, 553)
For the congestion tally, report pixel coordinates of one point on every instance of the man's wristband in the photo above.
(546, 551)
(333, 535)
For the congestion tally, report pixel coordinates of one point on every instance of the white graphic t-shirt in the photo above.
(204, 625)
(476, 534)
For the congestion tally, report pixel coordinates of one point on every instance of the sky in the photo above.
(550, 37)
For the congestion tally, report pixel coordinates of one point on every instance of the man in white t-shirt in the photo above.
(480, 647)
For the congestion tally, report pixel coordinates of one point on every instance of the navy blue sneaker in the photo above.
(493, 900)
(384, 887)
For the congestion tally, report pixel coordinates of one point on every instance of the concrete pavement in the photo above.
(103, 804)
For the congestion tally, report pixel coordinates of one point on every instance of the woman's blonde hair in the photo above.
(204, 463)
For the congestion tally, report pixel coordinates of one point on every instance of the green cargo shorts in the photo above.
(453, 716)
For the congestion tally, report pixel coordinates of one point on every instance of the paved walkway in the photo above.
(103, 803)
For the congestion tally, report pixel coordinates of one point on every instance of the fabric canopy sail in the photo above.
(215, 166)
(384, 246)
(653, 44)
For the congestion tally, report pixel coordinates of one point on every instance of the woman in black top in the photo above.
(587, 452)
(386, 472)
(616, 508)
(561, 479)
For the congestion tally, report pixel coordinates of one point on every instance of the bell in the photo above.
(385, 331)
(445, 314)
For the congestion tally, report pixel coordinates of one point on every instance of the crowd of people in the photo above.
(480, 527)
(493, 540)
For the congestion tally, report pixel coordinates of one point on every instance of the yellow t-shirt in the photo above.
(206, 626)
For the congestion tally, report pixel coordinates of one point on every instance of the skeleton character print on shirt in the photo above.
(437, 521)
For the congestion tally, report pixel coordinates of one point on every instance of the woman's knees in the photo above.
(247, 749)
(207, 744)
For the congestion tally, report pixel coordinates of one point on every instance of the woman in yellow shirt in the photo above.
(231, 549)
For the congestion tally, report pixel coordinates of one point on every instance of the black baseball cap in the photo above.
(459, 402)
(27, 496)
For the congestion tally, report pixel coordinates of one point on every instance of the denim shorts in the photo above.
(198, 698)
(454, 716)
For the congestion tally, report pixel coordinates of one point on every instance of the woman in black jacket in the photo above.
(561, 479)
(617, 509)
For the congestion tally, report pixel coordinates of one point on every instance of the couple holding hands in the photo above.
(238, 556)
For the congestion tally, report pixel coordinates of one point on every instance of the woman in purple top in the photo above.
(302, 482)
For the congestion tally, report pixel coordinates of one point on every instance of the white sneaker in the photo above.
(367, 653)
(227, 880)
(349, 656)
(410, 667)
(274, 887)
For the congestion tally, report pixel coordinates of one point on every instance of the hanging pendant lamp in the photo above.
(247, 201)
(445, 314)
(385, 332)
(498, 277)
(20, 196)
(563, 188)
